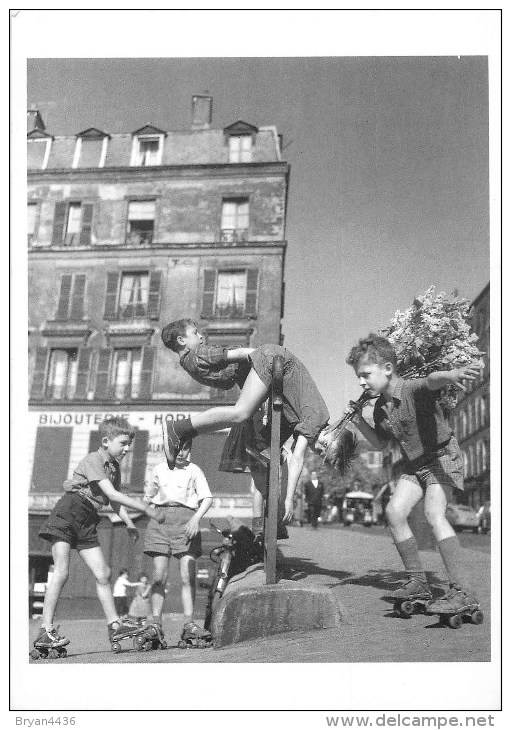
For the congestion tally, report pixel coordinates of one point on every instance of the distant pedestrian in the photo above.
(408, 412)
(120, 593)
(314, 492)
(140, 607)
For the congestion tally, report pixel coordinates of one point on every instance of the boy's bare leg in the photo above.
(61, 551)
(435, 503)
(404, 499)
(188, 589)
(160, 577)
(253, 394)
(95, 560)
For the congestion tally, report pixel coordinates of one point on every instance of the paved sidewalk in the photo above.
(359, 566)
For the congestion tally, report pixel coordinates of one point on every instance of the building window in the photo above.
(147, 150)
(62, 374)
(482, 457)
(234, 223)
(463, 424)
(72, 223)
(38, 153)
(141, 214)
(31, 222)
(71, 297)
(134, 295)
(240, 148)
(126, 373)
(465, 464)
(230, 293)
(471, 462)
(90, 152)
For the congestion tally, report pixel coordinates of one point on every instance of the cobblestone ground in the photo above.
(359, 565)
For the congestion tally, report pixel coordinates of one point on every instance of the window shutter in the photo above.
(65, 293)
(51, 458)
(112, 286)
(153, 304)
(103, 373)
(94, 441)
(251, 301)
(139, 463)
(38, 380)
(82, 378)
(77, 298)
(147, 372)
(208, 297)
(85, 233)
(59, 221)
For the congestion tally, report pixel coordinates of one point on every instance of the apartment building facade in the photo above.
(127, 232)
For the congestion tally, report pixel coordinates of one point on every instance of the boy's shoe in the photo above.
(49, 639)
(454, 601)
(193, 631)
(175, 435)
(410, 589)
(282, 533)
(118, 630)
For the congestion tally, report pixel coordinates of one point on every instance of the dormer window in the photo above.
(90, 149)
(38, 149)
(240, 148)
(240, 138)
(147, 147)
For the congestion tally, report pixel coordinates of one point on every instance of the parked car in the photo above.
(462, 517)
(358, 507)
(484, 517)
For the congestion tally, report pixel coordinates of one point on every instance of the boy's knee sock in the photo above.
(409, 553)
(450, 551)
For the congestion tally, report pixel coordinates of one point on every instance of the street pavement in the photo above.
(360, 566)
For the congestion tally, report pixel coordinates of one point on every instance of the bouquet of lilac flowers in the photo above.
(434, 334)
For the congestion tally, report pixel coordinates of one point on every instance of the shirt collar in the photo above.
(106, 458)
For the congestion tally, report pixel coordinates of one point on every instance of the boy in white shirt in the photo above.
(183, 494)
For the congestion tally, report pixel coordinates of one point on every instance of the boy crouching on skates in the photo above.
(408, 412)
(72, 524)
(304, 411)
(182, 497)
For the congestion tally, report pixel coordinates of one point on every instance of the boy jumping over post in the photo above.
(72, 524)
(182, 496)
(304, 410)
(408, 411)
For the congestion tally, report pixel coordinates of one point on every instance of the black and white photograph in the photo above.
(259, 262)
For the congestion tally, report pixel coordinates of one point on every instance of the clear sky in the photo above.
(389, 173)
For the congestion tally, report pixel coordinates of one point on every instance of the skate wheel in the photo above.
(455, 621)
(116, 647)
(148, 645)
(35, 654)
(477, 617)
(182, 644)
(201, 643)
(138, 643)
(406, 609)
(53, 654)
(163, 644)
(152, 631)
(63, 652)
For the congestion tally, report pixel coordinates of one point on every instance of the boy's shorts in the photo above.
(168, 537)
(446, 469)
(72, 520)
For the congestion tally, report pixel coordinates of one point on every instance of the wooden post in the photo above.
(273, 492)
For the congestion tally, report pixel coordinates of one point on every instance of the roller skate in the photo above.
(49, 645)
(456, 605)
(152, 636)
(412, 596)
(193, 637)
(121, 632)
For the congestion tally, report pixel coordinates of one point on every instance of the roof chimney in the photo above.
(202, 111)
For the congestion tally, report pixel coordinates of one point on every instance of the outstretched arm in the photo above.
(239, 354)
(115, 496)
(455, 377)
(132, 530)
(367, 431)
